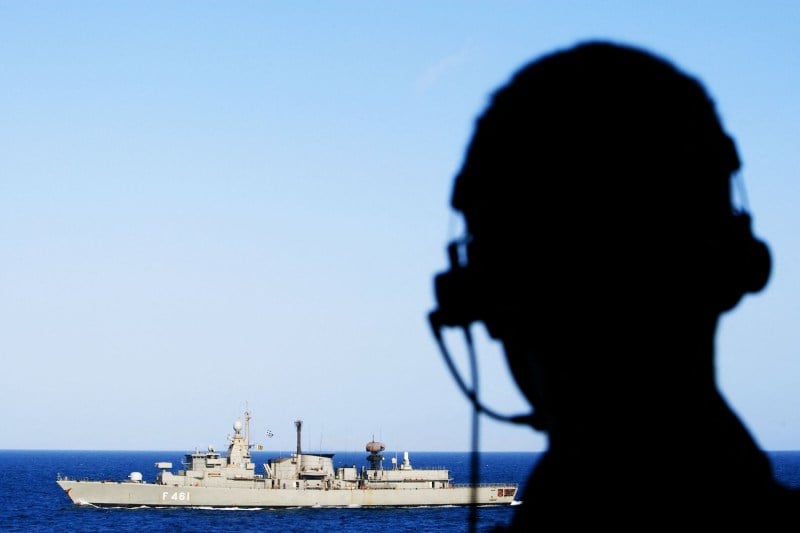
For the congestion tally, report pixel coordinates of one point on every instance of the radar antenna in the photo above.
(375, 458)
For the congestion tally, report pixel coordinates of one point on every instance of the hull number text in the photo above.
(179, 496)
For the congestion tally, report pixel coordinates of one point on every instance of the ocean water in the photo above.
(31, 500)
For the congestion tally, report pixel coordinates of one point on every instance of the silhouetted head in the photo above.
(599, 178)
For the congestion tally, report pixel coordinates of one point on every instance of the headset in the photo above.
(740, 261)
(460, 305)
(462, 301)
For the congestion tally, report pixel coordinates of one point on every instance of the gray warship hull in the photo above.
(210, 479)
(124, 494)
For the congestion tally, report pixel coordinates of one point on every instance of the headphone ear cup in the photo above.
(463, 295)
(458, 293)
(747, 263)
(456, 297)
(757, 266)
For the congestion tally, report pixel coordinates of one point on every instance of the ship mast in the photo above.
(247, 429)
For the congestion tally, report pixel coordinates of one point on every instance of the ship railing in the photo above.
(456, 485)
(60, 477)
(416, 468)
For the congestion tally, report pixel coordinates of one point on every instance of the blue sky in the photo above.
(206, 205)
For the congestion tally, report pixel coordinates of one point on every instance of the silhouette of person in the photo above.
(602, 247)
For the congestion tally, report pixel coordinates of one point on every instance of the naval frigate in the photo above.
(211, 479)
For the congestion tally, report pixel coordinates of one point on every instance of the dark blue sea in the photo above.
(31, 500)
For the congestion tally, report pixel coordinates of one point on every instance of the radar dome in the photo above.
(237, 426)
(375, 446)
